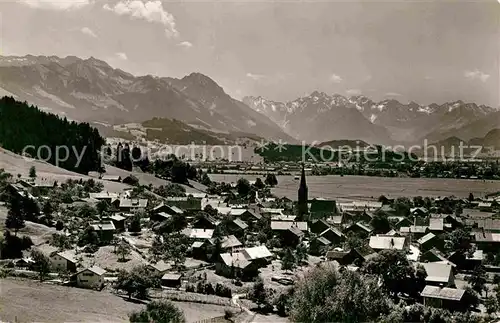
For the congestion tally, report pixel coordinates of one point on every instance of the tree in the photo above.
(205, 179)
(88, 237)
(135, 224)
(258, 293)
(41, 264)
(394, 269)
(326, 295)
(271, 180)
(32, 173)
(179, 172)
(402, 206)
(136, 154)
(459, 240)
(491, 304)
(61, 241)
(288, 260)
(123, 250)
(477, 279)
(15, 216)
(380, 223)
(159, 312)
(384, 200)
(243, 187)
(48, 208)
(259, 184)
(301, 254)
(137, 282)
(102, 207)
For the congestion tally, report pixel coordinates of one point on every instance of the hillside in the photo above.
(91, 90)
(476, 128)
(70, 145)
(336, 144)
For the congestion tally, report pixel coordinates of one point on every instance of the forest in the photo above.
(22, 125)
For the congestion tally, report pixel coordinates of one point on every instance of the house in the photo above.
(484, 224)
(416, 231)
(367, 206)
(336, 220)
(387, 210)
(318, 226)
(63, 261)
(236, 265)
(160, 268)
(485, 206)
(358, 228)
(439, 274)
(362, 254)
(432, 255)
(341, 256)
(447, 298)
(465, 261)
(278, 226)
(430, 241)
(190, 204)
(205, 222)
(198, 234)
(283, 217)
(316, 246)
(405, 222)
(171, 280)
(436, 225)
(128, 205)
(228, 244)
(260, 255)
(487, 241)
(419, 211)
(164, 212)
(246, 215)
(237, 227)
(106, 196)
(92, 277)
(321, 209)
(105, 230)
(112, 178)
(118, 221)
(333, 235)
(379, 243)
(451, 222)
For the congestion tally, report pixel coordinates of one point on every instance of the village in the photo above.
(224, 248)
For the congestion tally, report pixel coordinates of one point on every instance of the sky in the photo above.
(422, 51)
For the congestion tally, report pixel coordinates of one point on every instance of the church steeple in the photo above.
(302, 205)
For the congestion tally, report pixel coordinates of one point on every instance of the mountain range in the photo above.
(322, 117)
(91, 90)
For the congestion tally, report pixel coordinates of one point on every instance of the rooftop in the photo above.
(257, 252)
(446, 293)
(385, 242)
(437, 272)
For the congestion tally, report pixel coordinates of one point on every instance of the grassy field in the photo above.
(29, 301)
(16, 164)
(364, 187)
(39, 233)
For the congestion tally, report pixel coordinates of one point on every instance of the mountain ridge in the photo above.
(387, 121)
(91, 90)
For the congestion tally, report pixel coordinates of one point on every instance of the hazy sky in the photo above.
(410, 50)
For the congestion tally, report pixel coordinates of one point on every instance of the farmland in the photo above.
(364, 187)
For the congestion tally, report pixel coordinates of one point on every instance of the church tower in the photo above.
(302, 205)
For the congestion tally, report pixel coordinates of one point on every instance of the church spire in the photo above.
(302, 205)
